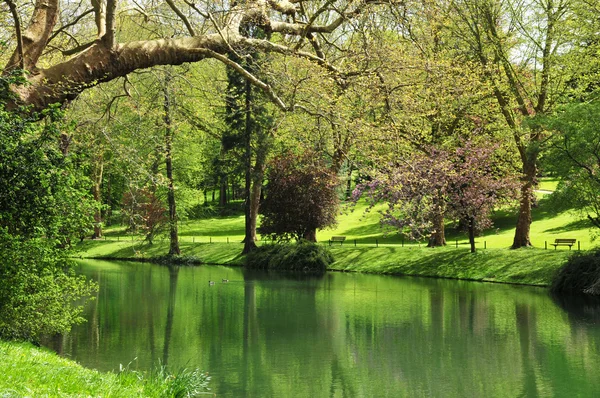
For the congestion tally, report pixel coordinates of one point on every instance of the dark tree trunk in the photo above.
(438, 235)
(311, 235)
(223, 192)
(472, 234)
(173, 234)
(250, 235)
(521, 238)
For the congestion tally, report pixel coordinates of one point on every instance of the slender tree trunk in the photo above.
(472, 233)
(349, 182)
(98, 168)
(521, 238)
(250, 235)
(223, 192)
(173, 234)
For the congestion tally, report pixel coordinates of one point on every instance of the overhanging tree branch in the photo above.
(15, 15)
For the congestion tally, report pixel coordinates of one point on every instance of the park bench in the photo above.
(340, 239)
(564, 242)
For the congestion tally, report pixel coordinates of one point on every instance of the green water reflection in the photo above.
(342, 335)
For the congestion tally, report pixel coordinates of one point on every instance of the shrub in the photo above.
(581, 274)
(303, 256)
(301, 197)
(39, 293)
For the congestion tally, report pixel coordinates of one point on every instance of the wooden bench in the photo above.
(340, 239)
(564, 242)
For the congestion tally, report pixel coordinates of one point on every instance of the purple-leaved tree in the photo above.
(465, 184)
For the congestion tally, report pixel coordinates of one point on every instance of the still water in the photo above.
(342, 335)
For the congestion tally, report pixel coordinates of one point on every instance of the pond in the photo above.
(341, 335)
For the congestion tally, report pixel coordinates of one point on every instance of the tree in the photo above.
(206, 30)
(301, 197)
(464, 184)
(249, 122)
(44, 204)
(574, 153)
(518, 49)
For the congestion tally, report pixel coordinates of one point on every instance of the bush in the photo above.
(39, 293)
(581, 274)
(303, 256)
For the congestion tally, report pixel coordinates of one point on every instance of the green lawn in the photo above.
(371, 248)
(28, 371)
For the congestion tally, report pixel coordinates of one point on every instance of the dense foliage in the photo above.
(45, 204)
(302, 256)
(39, 293)
(573, 155)
(301, 197)
(580, 275)
(463, 184)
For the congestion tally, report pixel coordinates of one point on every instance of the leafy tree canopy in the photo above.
(301, 197)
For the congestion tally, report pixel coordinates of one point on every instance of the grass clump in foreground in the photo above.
(303, 256)
(37, 372)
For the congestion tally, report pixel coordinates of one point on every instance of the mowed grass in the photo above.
(29, 371)
(370, 247)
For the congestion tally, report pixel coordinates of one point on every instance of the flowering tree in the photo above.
(464, 184)
(301, 197)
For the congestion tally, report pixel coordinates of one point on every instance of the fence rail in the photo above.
(348, 243)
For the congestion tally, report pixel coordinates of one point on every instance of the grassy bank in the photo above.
(28, 371)
(369, 248)
(526, 266)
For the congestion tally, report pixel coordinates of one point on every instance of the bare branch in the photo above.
(177, 11)
(109, 37)
(78, 49)
(72, 23)
(248, 76)
(35, 37)
(15, 15)
(100, 16)
(283, 6)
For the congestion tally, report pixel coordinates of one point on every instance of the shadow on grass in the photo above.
(572, 226)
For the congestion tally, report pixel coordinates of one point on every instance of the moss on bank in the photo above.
(524, 266)
(28, 371)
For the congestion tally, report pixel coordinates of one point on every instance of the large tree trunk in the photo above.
(521, 238)
(173, 234)
(311, 235)
(438, 235)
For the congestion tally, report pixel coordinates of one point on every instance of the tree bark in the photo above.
(173, 233)
(472, 234)
(521, 238)
(249, 238)
(438, 235)
(311, 235)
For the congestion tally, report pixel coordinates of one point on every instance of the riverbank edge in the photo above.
(28, 370)
(528, 266)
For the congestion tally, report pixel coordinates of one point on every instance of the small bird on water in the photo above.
(225, 280)
(210, 283)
